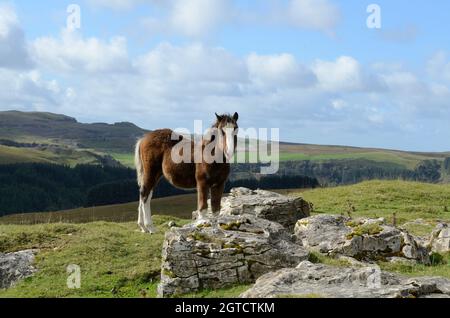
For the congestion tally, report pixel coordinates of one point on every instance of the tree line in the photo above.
(40, 187)
(351, 171)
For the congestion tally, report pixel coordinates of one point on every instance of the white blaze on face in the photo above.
(229, 130)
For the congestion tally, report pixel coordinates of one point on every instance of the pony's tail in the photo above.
(138, 164)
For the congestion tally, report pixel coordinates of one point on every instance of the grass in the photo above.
(439, 269)
(404, 159)
(329, 153)
(118, 261)
(126, 159)
(115, 259)
(10, 155)
(179, 206)
(409, 200)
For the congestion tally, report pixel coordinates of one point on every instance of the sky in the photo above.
(315, 69)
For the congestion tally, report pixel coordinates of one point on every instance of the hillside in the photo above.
(118, 140)
(53, 138)
(118, 261)
(59, 129)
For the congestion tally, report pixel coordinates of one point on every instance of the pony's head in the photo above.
(228, 129)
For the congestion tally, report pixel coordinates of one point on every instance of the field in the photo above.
(80, 142)
(63, 156)
(330, 153)
(180, 206)
(118, 261)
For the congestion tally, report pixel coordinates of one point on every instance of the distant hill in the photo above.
(47, 128)
(53, 138)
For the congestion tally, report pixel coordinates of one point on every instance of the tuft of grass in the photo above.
(318, 258)
(440, 267)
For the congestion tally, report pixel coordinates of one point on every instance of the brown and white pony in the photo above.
(154, 159)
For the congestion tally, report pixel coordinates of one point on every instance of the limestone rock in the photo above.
(319, 280)
(267, 205)
(224, 251)
(15, 267)
(440, 239)
(364, 239)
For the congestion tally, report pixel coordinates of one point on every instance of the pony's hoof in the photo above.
(151, 230)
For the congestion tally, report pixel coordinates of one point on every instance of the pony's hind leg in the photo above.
(145, 220)
(147, 215)
(141, 215)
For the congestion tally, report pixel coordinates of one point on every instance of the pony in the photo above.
(157, 155)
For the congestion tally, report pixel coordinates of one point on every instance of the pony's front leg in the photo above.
(202, 196)
(216, 197)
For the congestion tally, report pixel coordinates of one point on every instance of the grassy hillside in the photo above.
(49, 128)
(119, 139)
(409, 200)
(64, 156)
(179, 206)
(330, 153)
(118, 261)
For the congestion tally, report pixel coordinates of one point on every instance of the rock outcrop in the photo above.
(15, 267)
(267, 205)
(224, 251)
(364, 239)
(440, 239)
(322, 281)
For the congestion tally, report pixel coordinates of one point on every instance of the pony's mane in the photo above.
(225, 118)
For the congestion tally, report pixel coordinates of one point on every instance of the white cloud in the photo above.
(72, 53)
(319, 15)
(28, 90)
(197, 18)
(343, 74)
(404, 82)
(339, 104)
(193, 62)
(278, 71)
(13, 49)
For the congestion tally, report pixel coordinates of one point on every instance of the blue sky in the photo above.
(309, 67)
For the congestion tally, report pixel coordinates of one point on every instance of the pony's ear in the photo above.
(235, 116)
(219, 118)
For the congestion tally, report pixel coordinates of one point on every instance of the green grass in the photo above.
(409, 200)
(127, 159)
(178, 206)
(404, 159)
(328, 153)
(11, 155)
(118, 261)
(439, 269)
(115, 259)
